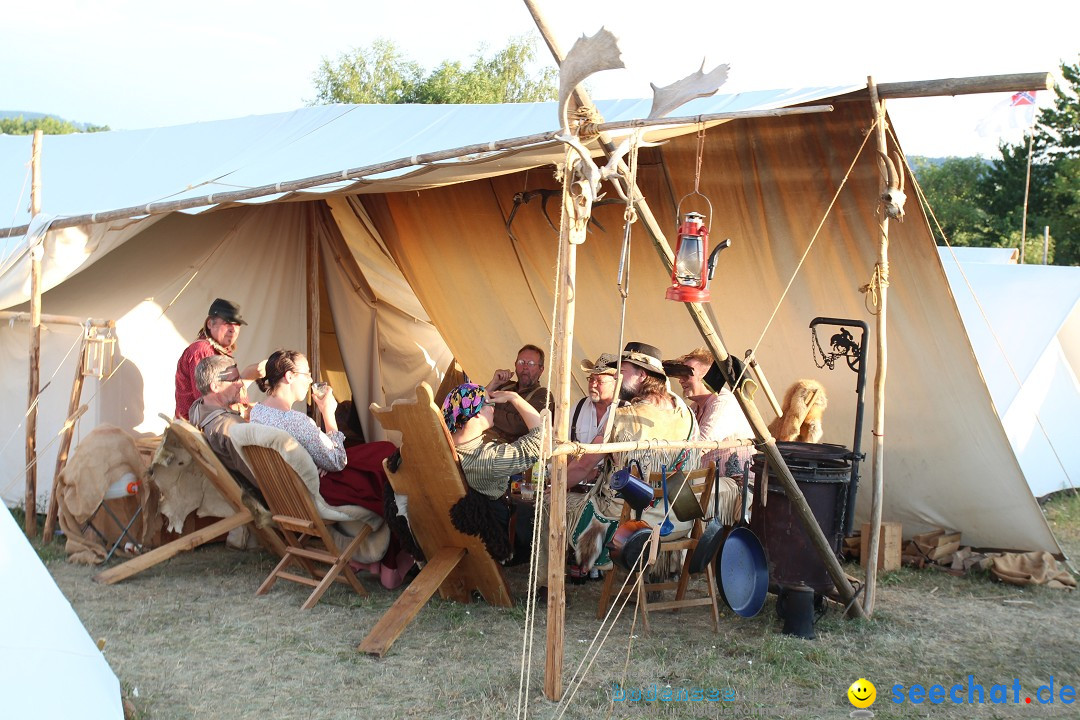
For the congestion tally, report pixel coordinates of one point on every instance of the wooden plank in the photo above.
(415, 596)
(36, 253)
(183, 544)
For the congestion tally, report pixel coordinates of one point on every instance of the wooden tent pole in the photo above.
(880, 284)
(36, 254)
(359, 173)
(712, 340)
(311, 259)
(65, 440)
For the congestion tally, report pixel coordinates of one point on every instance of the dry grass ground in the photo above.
(189, 639)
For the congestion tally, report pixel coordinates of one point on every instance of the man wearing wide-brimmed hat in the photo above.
(651, 411)
(589, 417)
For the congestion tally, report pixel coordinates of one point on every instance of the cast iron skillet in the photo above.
(742, 572)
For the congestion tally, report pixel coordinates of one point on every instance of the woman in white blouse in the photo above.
(348, 476)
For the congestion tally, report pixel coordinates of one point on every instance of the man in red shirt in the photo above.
(217, 337)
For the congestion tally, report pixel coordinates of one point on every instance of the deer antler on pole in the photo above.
(680, 92)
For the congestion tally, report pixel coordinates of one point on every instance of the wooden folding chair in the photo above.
(295, 514)
(189, 444)
(701, 482)
(431, 477)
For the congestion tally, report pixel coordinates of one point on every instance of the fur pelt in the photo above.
(104, 456)
(590, 545)
(399, 524)
(472, 516)
(799, 420)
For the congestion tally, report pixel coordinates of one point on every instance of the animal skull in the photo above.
(894, 198)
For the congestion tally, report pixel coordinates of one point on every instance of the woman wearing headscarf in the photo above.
(348, 476)
(469, 412)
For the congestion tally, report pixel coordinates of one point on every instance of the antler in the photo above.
(692, 86)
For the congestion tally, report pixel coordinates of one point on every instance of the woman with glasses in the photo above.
(347, 476)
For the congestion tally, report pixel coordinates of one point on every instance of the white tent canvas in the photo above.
(51, 666)
(418, 267)
(1024, 326)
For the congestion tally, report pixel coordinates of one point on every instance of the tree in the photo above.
(1054, 199)
(952, 188)
(382, 74)
(48, 125)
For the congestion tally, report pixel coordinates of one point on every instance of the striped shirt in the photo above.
(489, 465)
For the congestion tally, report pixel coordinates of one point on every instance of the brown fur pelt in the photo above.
(103, 457)
(801, 421)
(472, 515)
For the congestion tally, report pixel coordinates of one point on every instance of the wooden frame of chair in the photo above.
(431, 476)
(701, 481)
(192, 440)
(297, 518)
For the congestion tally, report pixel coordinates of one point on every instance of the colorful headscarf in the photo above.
(462, 404)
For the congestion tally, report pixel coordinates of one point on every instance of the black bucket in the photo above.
(822, 472)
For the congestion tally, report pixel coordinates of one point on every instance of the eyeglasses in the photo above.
(526, 363)
(300, 372)
(229, 374)
(598, 379)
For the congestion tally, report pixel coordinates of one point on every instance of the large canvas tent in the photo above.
(418, 266)
(1024, 325)
(52, 668)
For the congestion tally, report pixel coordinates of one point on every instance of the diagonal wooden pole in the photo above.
(714, 343)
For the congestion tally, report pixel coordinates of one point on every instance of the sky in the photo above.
(135, 64)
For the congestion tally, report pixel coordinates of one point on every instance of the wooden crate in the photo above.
(889, 546)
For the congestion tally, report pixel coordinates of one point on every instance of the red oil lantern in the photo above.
(690, 275)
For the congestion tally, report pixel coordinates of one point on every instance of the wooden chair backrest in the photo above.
(431, 476)
(286, 495)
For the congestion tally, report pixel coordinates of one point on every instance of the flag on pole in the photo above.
(1016, 113)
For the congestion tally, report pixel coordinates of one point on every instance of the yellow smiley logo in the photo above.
(862, 693)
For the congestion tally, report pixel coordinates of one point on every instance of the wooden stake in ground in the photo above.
(36, 253)
(879, 285)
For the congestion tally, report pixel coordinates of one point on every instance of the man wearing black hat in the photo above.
(216, 337)
(651, 411)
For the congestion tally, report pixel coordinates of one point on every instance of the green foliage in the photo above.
(1054, 199)
(952, 188)
(982, 204)
(48, 125)
(383, 74)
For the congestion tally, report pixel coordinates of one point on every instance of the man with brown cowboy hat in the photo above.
(651, 411)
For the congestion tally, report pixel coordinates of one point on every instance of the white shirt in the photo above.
(588, 426)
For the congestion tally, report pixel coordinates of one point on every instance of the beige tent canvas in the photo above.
(417, 267)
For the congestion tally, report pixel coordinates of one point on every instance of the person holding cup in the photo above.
(348, 476)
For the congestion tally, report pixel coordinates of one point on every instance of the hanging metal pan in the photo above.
(713, 535)
(742, 571)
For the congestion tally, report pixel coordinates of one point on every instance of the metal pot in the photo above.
(634, 491)
(712, 537)
(629, 542)
(742, 571)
